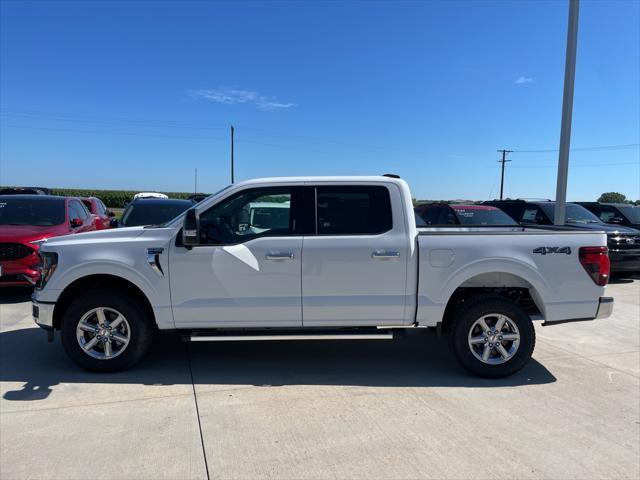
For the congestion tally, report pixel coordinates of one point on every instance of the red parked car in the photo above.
(27, 219)
(99, 211)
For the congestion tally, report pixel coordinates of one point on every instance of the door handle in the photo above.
(382, 254)
(279, 256)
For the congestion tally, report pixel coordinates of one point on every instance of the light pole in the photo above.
(567, 110)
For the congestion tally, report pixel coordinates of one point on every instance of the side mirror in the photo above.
(616, 220)
(191, 228)
(110, 214)
(113, 223)
(75, 223)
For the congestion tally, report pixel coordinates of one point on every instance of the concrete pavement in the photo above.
(401, 409)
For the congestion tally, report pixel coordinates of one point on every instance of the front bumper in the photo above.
(43, 314)
(19, 273)
(605, 309)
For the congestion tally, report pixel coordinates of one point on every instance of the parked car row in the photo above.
(26, 220)
(616, 220)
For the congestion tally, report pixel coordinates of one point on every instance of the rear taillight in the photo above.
(595, 261)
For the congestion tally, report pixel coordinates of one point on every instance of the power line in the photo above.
(573, 165)
(187, 137)
(582, 149)
(146, 122)
(63, 117)
(103, 132)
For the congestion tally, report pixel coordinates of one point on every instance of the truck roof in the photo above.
(337, 178)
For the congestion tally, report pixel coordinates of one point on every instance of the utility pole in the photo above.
(195, 184)
(567, 110)
(232, 131)
(503, 161)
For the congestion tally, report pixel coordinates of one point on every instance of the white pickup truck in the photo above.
(315, 258)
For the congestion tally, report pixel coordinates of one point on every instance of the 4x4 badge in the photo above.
(546, 250)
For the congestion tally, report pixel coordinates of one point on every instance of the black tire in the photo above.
(140, 334)
(464, 320)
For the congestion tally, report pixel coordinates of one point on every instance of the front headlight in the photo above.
(46, 267)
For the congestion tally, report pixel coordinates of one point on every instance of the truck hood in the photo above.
(29, 233)
(106, 239)
(97, 236)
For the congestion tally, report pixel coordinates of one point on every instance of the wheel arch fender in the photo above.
(105, 276)
(484, 273)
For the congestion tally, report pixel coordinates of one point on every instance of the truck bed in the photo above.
(543, 260)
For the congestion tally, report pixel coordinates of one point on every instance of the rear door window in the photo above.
(353, 210)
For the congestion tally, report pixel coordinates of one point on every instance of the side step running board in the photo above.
(311, 336)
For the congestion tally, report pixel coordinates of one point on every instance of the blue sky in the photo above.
(136, 95)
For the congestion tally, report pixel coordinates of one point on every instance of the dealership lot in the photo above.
(400, 409)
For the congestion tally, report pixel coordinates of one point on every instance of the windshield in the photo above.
(482, 216)
(631, 213)
(152, 213)
(42, 212)
(573, 213)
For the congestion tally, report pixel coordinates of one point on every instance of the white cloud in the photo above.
(521, 79)
(231, 96)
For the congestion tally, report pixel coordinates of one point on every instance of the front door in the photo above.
(246, 272)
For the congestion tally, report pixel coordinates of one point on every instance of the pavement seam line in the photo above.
(195, 400)
(143, 399)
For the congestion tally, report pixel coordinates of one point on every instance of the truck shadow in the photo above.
(419, 359)
(11, 295)
(619, 279)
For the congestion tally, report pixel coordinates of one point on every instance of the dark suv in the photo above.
(152, 211)
(623, 242)
(615, 213)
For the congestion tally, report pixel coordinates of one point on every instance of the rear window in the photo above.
(353, 210)
(141, 213)
(32, 211)
(476, 216)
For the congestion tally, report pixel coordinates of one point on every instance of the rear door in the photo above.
(354, 265)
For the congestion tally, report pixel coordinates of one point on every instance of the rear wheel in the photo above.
(106, 331)
(492, 337)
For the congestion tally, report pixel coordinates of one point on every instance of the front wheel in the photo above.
(106, 331)
(493, 337)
